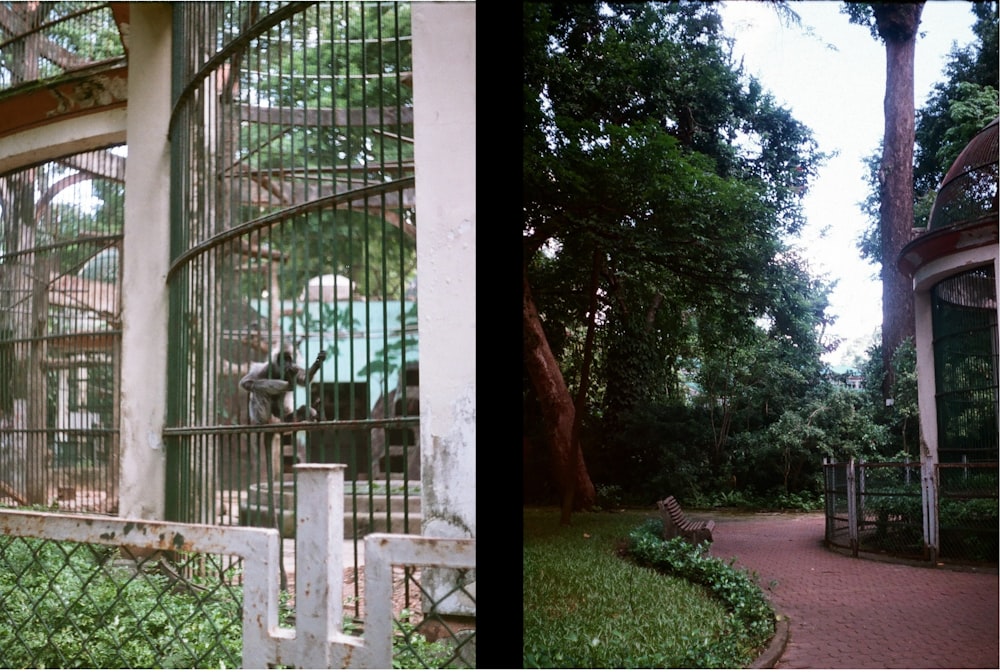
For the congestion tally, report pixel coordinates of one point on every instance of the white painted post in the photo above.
(318, 640)
(852, 508)
(319, 574)
(930, 506)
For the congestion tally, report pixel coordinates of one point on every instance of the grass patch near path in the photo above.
(586, 606)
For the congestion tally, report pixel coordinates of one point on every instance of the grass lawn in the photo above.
(584, 606)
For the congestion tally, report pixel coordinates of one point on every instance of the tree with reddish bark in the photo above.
(896, 24)
(558, 414)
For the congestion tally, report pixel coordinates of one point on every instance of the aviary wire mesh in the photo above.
(60, 331)
(964, 318)
(41, 40)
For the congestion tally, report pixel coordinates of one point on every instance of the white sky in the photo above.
(838, 94)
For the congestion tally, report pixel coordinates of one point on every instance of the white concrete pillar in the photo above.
(926, 392)
(145, 260)
(444, 112)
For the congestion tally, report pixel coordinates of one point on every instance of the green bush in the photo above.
(70, 605)
(751, 617)
(776, 500)
(74, 605)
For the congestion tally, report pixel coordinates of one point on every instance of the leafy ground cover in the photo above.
(75, 605)
(607, 593)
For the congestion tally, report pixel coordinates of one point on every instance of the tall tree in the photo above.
(896, 25)
(658, 182)
(959, 106)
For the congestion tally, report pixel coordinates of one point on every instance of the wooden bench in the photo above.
(676, 524)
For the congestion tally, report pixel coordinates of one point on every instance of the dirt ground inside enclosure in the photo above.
(859, 613)
(354, 583)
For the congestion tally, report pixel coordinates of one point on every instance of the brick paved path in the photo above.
(856, 613)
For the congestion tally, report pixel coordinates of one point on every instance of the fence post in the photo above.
(929, 495)
(318, 640)
(828, 496)
(852, 508)
(862, 486)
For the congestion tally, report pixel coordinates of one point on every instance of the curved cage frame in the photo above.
(968, 191)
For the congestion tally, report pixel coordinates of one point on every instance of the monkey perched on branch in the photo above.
(271, 386)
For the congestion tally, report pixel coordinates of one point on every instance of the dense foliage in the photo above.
(661, 204)
(661, 187)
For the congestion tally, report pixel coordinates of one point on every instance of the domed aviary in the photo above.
(954, 270)
(964, 215)
(969, 190)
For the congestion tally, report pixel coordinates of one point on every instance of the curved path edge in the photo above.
(776, 648)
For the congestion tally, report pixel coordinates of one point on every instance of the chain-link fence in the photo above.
(903, 509)
(68, 604)
(102, 592)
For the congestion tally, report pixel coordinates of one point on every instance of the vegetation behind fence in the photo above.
(880, 508)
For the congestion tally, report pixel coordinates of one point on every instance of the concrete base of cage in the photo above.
(393, 513)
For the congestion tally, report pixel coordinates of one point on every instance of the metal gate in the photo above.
(293, 226)
(910, 510)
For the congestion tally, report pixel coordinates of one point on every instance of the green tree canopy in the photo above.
(655, 166)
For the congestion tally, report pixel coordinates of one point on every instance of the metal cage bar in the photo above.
(964, 319)
(293, 222)
(60, 331)
(44, 40)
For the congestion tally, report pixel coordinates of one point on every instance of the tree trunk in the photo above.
(588, 349)
(575, 487)
(897, 24)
